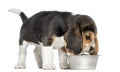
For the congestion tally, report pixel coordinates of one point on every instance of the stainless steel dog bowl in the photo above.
(83, 62)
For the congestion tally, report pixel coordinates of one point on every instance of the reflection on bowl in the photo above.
(84, 62)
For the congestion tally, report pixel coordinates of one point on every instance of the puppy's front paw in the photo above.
(20, 66)
(49, 66)
(64, 66)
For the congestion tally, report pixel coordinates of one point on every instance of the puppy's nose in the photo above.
(91, 48)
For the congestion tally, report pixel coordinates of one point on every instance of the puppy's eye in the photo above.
(88, 37)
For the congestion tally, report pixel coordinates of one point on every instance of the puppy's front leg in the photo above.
(47, 56)
(63, 58)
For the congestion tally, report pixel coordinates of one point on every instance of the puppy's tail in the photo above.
(20, 13)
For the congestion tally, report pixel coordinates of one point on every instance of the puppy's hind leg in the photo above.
(38, 55)
(22, 56)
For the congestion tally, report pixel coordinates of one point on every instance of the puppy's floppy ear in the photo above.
(73, 39)
(96, 45)
(95, 51)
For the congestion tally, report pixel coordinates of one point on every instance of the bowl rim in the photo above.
(81, 55)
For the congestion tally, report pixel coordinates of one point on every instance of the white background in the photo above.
(106, 14)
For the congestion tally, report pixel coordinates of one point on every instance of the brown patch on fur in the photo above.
(91, 36)
(63, 49)
(53, 38)
(85, 40)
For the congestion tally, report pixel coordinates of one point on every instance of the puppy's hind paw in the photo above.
(20, 66)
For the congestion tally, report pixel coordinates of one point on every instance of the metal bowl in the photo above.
(84, 62)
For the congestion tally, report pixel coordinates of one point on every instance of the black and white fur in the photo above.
(45, 30)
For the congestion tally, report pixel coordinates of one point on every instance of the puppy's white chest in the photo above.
(59, 42)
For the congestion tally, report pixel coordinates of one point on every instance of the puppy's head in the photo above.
(75, 40)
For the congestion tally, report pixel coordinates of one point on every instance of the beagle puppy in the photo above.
(53, 29)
